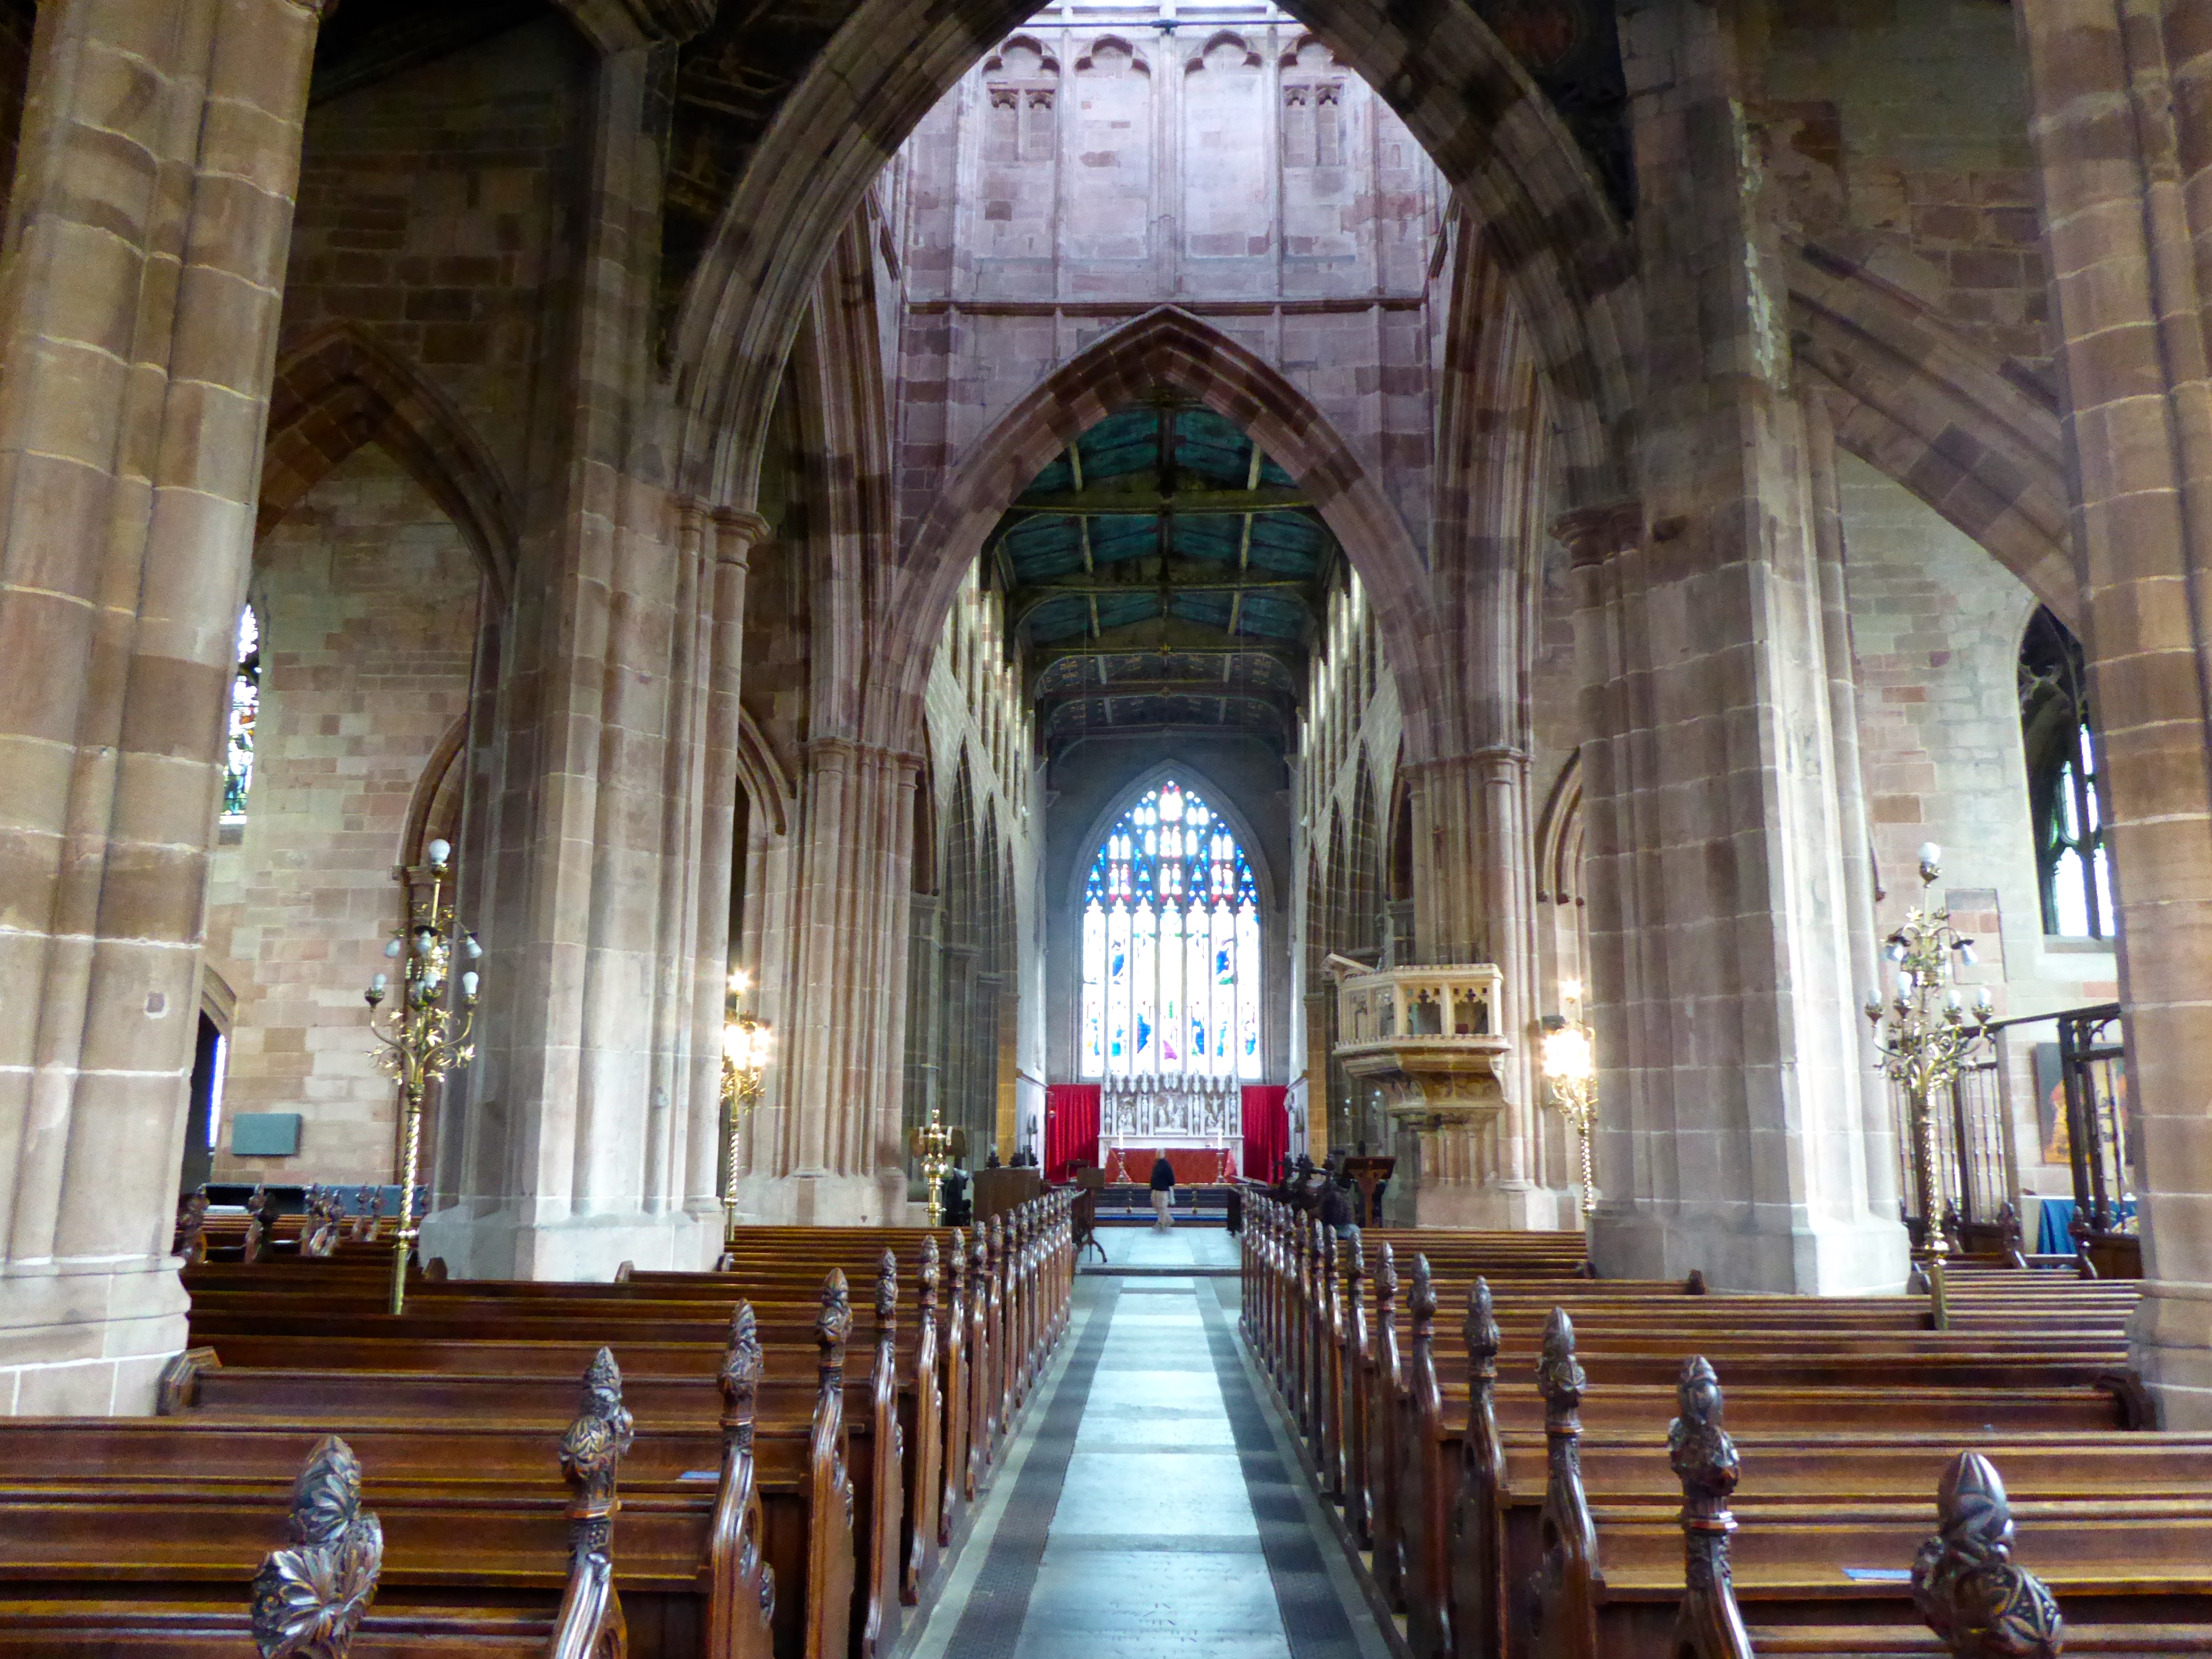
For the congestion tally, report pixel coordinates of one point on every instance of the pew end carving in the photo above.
(1564, 1606)
(590, 1625)
(1710, 1625)
(741, 1607)
(309, 1596)
(1965, 1585)
(1479, 1611)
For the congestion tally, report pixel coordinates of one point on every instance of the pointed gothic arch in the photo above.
(1495, 137)
(1216, 796)
(1165, 348)
(1916, 398)
(338, 389)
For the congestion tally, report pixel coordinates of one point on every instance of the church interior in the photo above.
(913, 829)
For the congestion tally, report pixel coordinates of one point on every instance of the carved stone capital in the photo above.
(616, 25)
(1592, 535)
(737, 532)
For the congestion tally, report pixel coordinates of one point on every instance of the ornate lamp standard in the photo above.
(746, 1045)
(1570, 1067)
(423, 1037)
(1925, 1037)
(936, 1147)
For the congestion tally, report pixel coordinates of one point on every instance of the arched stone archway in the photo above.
(338, 389)
(1165, 348)
(1914, 397)
(1496, 140)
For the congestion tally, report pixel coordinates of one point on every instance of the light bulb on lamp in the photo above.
(440, 851)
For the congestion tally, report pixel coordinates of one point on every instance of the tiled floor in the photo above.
(1185, 1246)
(1147, 1509)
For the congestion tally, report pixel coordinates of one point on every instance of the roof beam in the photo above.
(1099, 503)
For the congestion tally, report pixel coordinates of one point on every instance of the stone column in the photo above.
(733, 536)
(610, 820)
(151, 214)
(832, 1152)
(2122, 97)
(1475, 894)
(1737, 1135)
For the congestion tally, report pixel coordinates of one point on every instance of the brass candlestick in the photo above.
(1570, 1067)
(423, 1037)
(936, 1147)
(1925, 1037)
(745, 1043)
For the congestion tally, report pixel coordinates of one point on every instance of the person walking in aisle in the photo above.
(1162, 1192)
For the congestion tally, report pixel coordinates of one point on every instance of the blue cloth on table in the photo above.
(2051, 1233)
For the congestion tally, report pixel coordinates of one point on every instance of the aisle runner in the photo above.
(1154, 1514)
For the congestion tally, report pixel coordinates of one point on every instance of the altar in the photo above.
(1197, 1123)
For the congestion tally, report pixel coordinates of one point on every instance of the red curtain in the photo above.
(1267, 1129)
(1071, 1127)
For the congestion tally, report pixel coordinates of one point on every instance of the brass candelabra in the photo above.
(745, 1043)
(423, 1038)
(1570, 1067)
(936, 1147)
(1925, 1037)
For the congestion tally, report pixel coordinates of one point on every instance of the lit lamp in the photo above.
(1925, 1038)
(746, 1044)
(423, 1037)
(1570, 1067)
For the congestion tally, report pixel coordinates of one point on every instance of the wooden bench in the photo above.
(1854, 1406)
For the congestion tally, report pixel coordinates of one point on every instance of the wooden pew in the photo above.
(103, 1546)
(474, 1323)
(1812, 1381)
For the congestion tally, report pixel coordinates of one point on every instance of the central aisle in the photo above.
(1148, 1508)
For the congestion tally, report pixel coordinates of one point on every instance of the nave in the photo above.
(1154, 1507)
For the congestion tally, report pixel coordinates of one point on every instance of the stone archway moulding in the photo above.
(338, 389)
(1165, 348)
(1221, 799)
(1473, 109)
(1915, 399)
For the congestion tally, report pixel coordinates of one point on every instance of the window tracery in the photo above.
(1170, 945)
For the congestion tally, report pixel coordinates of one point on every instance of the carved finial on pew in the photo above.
(886, 1290)
(930, 1275)
(1566, 1600)
(833, 1325)
(591, 1451)
(1710, 1625)
(742, 1363)
(1695, 1284)
(590, 1624)
(1477, 1583)
(192, 1229)
(1964, 1583)
(1421, 1302)
(320, 1238)
(736, 1549)
(309, 1596)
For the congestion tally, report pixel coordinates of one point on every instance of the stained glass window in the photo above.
(1170, 945)
(245, 707)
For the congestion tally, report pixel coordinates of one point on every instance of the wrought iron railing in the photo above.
(2100, 1145)
(1976, 1164)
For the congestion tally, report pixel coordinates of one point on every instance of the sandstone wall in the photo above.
(367, 598)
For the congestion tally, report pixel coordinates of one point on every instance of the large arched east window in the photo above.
(1170, 945)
